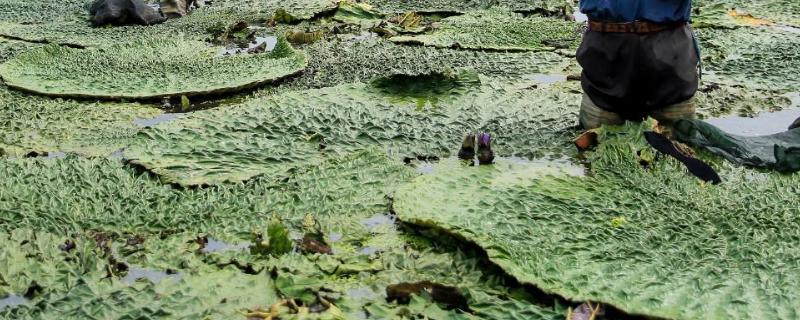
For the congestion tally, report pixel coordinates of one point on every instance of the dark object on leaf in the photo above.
(795, 124)
(780, 151)
(311, 245)
(586, 140)
(451, 297)
(485, 153)
(587, 311)
(697, 167)
(67, 246)
(124, 12)
(467, 151)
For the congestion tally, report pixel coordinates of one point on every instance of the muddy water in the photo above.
(764, 123)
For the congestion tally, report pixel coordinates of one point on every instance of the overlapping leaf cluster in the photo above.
(275, 133)
(649, 240)
(155, 229)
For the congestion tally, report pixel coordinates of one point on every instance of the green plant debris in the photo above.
(273, 134)
(683, 243)
(152, 230)
(730, 13)
(161, 68)
(334, 63)
(71, 25)
(759, 58)
(38, 125)
(63, 195)
(499, 29)
(293, 11)
(81, 34)
(356, 13)
(461, 6)
(74, 284)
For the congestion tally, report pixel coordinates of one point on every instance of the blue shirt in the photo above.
(658, 11)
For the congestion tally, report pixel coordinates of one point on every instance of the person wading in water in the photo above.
(639, 59)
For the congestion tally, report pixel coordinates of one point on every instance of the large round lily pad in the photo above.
(754, 57)
(275, 133)
(148, 68)
(499, 29)
(653, 241)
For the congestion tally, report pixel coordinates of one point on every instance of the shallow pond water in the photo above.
(153, 276)
(214, 245)
(156, 120)
(12, 301)
(546, 79)
(564, 164)
(764, 123)
(234, 49)
(378, 221)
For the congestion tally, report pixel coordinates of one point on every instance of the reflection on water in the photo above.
(12, 301)
(233, 49)
(365, 293)
(334, 237)
(546, 79)
(368, 250)
(153, 276)
(378, 221)
(56, 155)
(579, 16)
(214, 245)
(764, 123)
(156, 120)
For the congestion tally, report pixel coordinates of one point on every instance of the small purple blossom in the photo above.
(485, 138)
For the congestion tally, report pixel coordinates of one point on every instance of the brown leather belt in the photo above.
(632, 27)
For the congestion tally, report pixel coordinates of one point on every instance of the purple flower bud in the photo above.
(485, 138)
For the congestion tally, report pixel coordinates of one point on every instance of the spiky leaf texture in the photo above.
(499, 29)
(142, 69)
(654, 241)
(758, 57)
(461, 6)
(33, 124)
(276, 133)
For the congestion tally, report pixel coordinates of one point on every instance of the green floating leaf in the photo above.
(145, 69)
(720, 13)
(499, 29)
(334, 63)
(461, 6)
(682, 243)
(757, 58)
(272, 135)
(42, 125)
